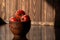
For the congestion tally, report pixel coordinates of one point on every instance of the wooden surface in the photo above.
(41, 13)
(36, 33)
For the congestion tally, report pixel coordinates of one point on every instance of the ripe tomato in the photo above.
(13, 19)
(25, 18)
(19, 13)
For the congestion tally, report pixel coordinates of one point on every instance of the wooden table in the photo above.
(38, 32)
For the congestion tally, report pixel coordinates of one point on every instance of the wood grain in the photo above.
(40, 12)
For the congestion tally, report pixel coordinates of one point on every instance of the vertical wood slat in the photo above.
(12, 7)
(7, 9)
(0, 8)
(19, 4)
(30, 10)
(27, 6)
(35, 10)
(43, 11)
(23, 4)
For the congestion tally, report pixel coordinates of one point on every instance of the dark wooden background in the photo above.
(42, 18)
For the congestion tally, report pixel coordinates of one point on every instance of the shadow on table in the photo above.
(2, 22)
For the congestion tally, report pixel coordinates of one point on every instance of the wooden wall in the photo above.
(41, 13)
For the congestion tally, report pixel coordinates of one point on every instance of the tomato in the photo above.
(13, 19)
(25, 18)
(19, 13)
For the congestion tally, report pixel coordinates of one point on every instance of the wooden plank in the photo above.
(12, 7)
(7, 10)
(19, 4)
(23, 4)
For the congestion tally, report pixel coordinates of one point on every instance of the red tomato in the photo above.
(19, 13)
(12, 19)
(25, 18)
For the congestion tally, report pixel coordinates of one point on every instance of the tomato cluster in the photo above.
(20, 16)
